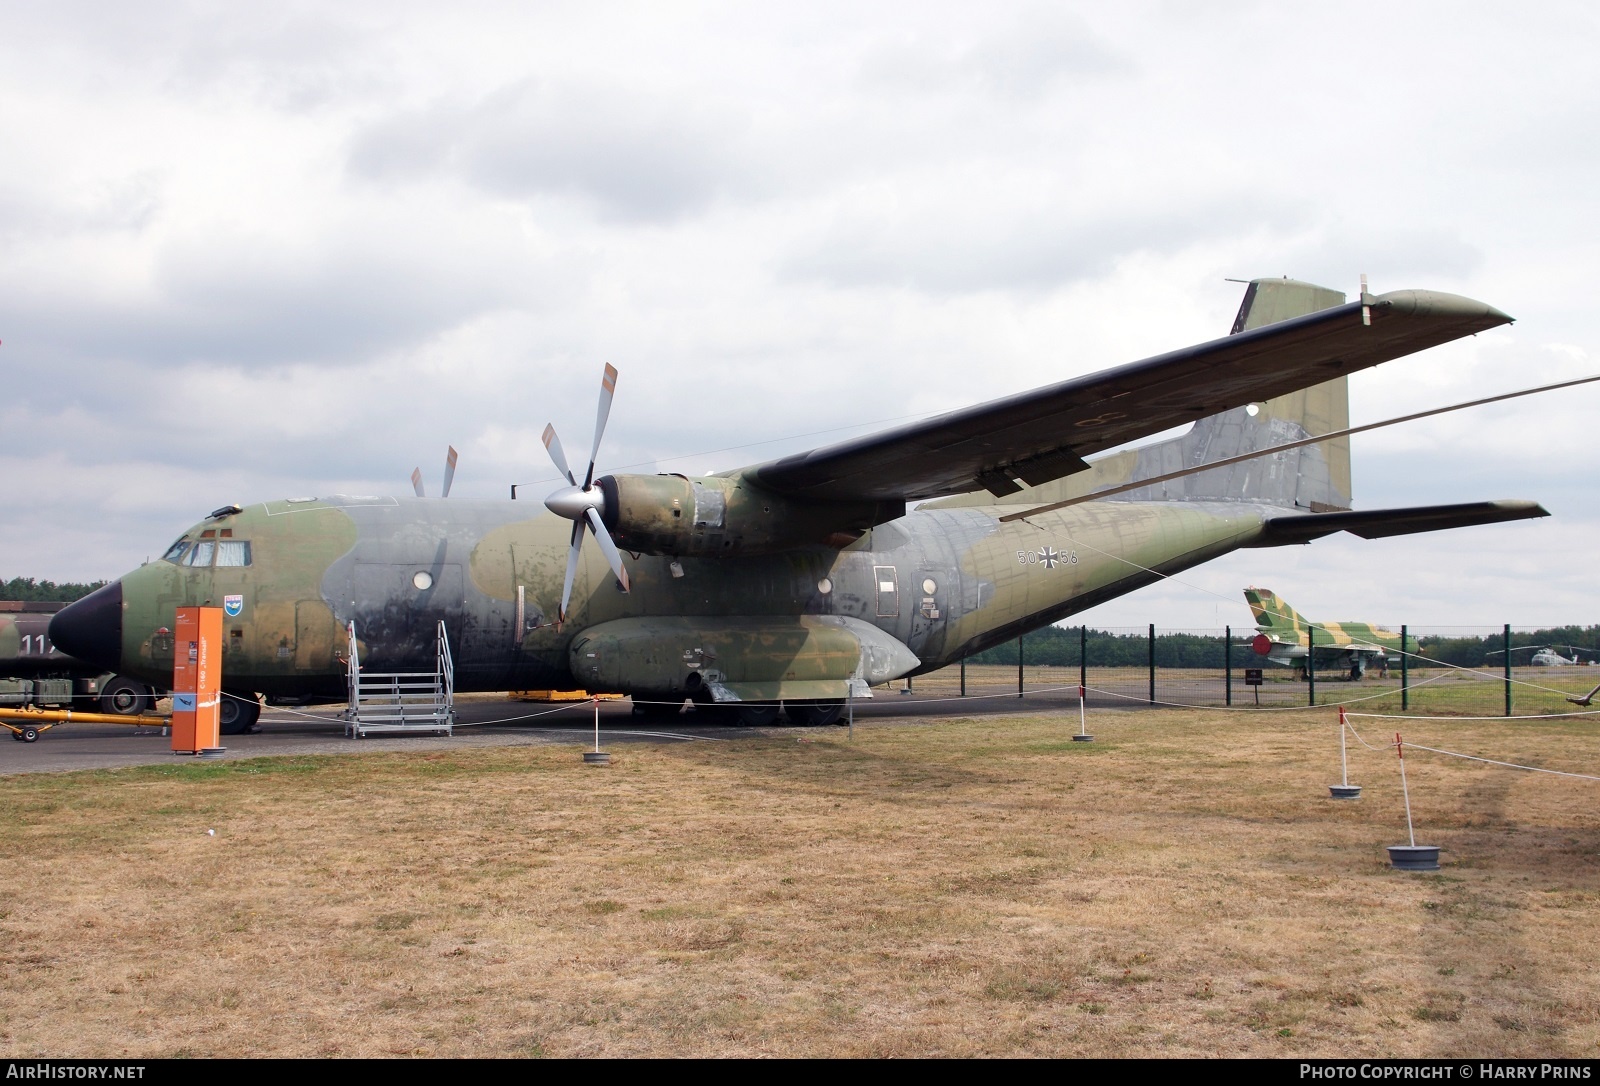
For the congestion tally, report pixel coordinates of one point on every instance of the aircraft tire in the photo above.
(1356, 674)
(657, 710)
(755, 714)
(124, 697)
(813, 714)
(238, 713)
(739, 714)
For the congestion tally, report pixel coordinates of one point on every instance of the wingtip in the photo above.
(1438, 304)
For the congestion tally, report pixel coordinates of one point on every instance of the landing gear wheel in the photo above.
(1299, 674)
(755, 714)
(238, 713)
(813, 714)
(661, 709)
(1357, 673)
(124, 697)
(739, 714)
(29, 735)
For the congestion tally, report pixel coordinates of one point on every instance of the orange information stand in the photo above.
(197, 682)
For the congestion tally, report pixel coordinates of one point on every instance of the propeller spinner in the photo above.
(449, 475)
(583, 504)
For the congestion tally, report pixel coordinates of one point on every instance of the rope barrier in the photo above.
(1502, 719)
(1508, 765)
(1456, 753)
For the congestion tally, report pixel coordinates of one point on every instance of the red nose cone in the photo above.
(1262, 644)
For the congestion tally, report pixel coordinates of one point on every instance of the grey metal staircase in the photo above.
(400, 701)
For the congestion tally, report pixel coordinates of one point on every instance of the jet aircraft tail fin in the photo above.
(1273, 615)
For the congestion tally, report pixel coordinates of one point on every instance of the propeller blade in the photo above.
(449, 471)
(572, 567)
(608, 548)
(552, 444)
(416, 482)
(608, 391)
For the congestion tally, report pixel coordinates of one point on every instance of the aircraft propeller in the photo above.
(582, 504)
(449, 475)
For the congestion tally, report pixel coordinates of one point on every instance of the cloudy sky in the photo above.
(253, 251)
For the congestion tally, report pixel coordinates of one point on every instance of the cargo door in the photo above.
(398, 609)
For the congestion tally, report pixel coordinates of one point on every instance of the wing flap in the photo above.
(1045, 434)
(1379, 523)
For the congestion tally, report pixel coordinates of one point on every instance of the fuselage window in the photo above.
(201, 555)
(175, 552)
(233, 552)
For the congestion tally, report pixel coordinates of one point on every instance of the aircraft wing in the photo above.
(1378, 523)
(1045, 434)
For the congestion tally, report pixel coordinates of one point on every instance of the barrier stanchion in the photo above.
(596, 756)
(1412, 857)
(1083, 735)
(1345, 790)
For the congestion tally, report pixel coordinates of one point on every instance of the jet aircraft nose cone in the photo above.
(91, 628)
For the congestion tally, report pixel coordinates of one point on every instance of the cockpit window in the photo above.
(201, 555)
(175, 552)
(233, 552)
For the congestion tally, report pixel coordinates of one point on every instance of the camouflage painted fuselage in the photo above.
(943, 582)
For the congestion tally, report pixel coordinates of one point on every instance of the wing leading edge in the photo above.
(1045, 434)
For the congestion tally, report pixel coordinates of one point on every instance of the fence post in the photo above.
(1405, 673)
(1019, 665)
(1311, 665)
(963, 676)
(1152, 663)
(1083, 657)
(1227, 664)
(1506, 644)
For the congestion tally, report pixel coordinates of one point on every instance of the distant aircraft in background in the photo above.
(1284, 637)
(1547, 656)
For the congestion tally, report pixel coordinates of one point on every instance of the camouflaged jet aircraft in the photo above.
(1351, 648)
(791, 585)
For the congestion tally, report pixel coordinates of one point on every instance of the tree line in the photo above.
(1059, 646)
(32, 591)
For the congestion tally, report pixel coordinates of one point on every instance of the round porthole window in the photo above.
(824, 586)
(422, 579)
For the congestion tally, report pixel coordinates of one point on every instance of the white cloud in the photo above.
(259, 252)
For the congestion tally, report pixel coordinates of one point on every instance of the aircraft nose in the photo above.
(91, 628)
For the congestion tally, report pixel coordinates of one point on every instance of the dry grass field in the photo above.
(1180, 887)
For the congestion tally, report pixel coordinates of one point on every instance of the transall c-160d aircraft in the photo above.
(794, 584)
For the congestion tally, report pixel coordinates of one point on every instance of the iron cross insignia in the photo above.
(1049, 557)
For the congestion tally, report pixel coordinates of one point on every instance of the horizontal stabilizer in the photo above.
(1378, 523)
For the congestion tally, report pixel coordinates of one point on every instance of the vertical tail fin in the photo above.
(1271, 613)
(1316, 477)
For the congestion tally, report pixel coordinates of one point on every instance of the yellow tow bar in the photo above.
(26, 725)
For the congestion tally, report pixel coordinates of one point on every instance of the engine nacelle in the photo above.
(716, 515)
